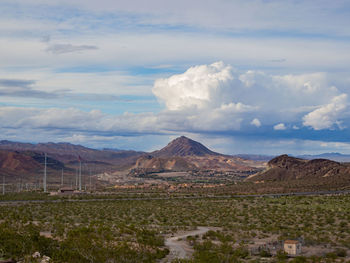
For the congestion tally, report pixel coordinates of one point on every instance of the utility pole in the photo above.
(3, 184)
(62, 178)
(90, 178)
(44, 182)
(76, 178)
(79, 174)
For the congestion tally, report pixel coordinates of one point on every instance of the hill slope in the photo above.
(284, 168)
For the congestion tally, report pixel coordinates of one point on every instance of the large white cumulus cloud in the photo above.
(200, 86)
(203, 98)
(218, 97)
(327, 115)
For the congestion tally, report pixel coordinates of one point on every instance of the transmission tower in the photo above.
(44, 181)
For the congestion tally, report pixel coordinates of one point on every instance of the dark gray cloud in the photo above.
(69, 48)
(16, 83)
(22, 88)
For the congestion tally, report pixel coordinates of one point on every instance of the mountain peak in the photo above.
(183, 146)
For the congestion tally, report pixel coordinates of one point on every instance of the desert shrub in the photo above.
(341, 252)
(281, 256)
(299, 259)
(16, 243)
(265, 254)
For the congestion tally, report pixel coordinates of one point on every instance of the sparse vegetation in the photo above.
(133, 230)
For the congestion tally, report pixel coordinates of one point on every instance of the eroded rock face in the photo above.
(155, 164)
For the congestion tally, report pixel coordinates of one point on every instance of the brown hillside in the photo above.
(284, 168)
(14, 161)
(164, 164)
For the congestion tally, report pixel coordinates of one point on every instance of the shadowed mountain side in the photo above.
(25, 163)
(284, 168)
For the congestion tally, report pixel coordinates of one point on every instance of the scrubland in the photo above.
(135, 230)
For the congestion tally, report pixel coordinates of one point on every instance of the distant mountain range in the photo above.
(69, 153)
(181, 154)
(338, 157)
(255, 157)
(26, 160)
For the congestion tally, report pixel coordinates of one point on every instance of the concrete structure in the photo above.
(292, 247)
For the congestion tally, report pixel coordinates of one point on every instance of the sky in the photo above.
(240, 76)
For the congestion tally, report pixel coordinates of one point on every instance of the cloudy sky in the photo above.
(241, 76)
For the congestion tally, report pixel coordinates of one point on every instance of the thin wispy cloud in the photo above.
(69, 48)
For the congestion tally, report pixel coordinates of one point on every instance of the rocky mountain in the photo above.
(183, 146)
(285, 168)
(184, 154)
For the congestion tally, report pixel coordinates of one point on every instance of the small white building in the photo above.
(292, 247)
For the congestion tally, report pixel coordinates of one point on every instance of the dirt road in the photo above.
(178, 246)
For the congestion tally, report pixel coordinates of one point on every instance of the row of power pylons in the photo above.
(78, 178)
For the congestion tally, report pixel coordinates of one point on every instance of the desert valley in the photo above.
(183, 131)
(182, 203)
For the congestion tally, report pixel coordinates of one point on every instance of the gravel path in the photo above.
(178, 246)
